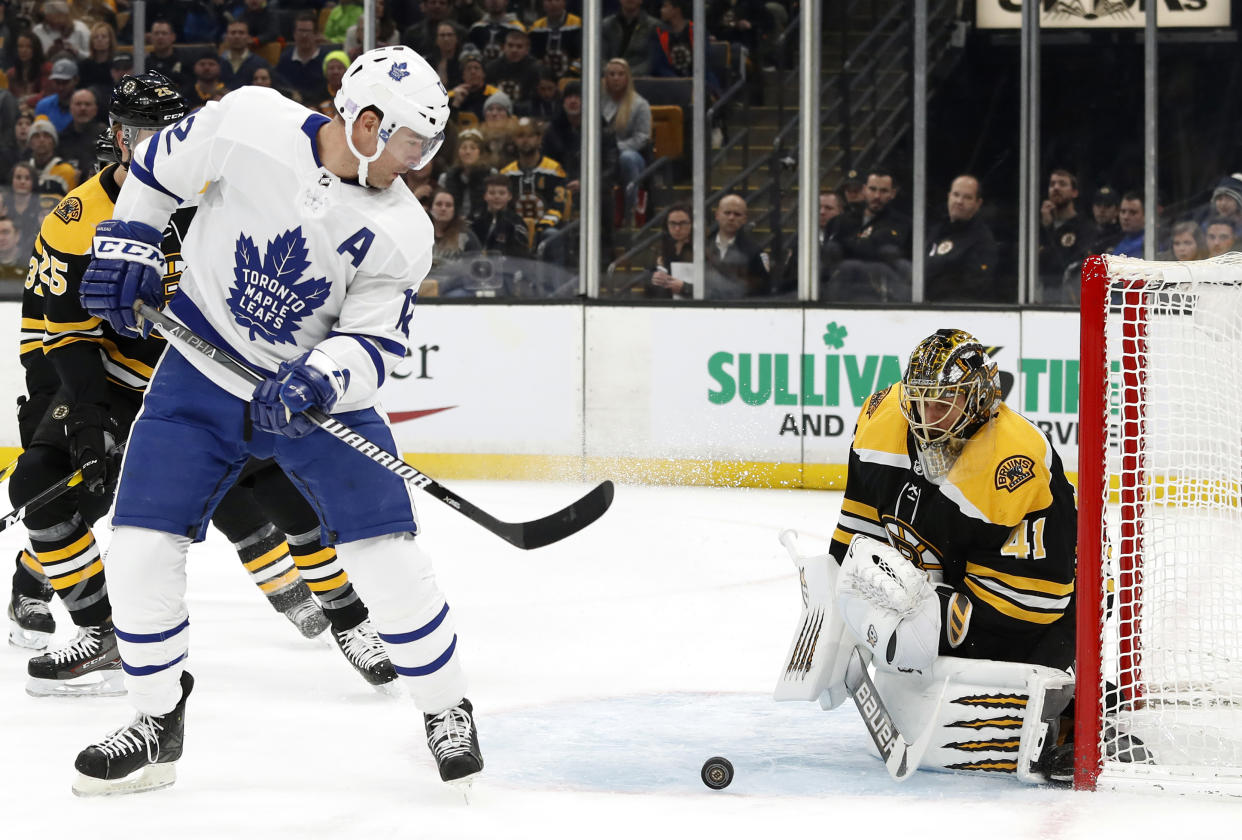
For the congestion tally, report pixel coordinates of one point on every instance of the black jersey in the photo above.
(1000, 529)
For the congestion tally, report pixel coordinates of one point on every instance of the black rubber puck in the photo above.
(717, 773)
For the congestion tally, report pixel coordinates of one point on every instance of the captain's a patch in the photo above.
(1014, 471)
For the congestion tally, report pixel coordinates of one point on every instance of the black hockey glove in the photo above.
(92, 432)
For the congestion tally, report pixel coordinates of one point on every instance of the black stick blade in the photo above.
(564, 523)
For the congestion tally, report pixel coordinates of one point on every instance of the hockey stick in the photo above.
(901, 757)
(526, 535)
(50, 494)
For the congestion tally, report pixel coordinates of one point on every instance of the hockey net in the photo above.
(1159, 696)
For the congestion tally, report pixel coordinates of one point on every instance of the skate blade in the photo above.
(110, 683)
(392, 688)
(464, 786)
(151, 777)
(29, 639)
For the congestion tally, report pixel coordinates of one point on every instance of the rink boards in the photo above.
(760, 397)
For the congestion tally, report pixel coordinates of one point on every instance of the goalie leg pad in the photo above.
(889, 606)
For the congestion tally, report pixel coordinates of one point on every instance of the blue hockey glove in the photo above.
(280, 400)
(126, 265)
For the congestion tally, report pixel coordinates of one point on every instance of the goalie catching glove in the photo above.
(126, 265)
(311, 380)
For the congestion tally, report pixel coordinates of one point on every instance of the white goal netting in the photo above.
(1169, 623)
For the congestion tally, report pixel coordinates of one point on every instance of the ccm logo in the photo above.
(125, 248)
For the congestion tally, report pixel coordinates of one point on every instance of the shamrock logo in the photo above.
(270, 298)
(834, 335)
(398, 71)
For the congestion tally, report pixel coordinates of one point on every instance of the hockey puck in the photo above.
(717, 773)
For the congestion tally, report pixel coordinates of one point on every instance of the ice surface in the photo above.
(604, 670)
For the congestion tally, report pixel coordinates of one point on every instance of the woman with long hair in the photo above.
(1187, 242)
(464, 179)
(95, 68)
(24, 206)
(453, 236)
(628, 114)
(443, 56)
(28, 75)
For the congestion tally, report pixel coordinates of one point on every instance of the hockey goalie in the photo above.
(951, 572)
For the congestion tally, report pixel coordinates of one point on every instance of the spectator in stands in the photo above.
(467, 100)
(343, 15)
(1220, 238)
(207, 86)
(301, 64)
(22, 204)
(1131, 218)
(466, 178)
(676, 246)
(237, 62)
(854, 191)
(53, 174)
(499, 229)
(629, 34)
(489, 32)
(1227, 201)
(961, 262)
(536, 181)
(444, 55)
(13, 260)
(11, 23)
(164, 57)
(386, 32)
(203, 21)
(263, 23)
(562, 139)
(61, 34)
(9, 112)
(76, 143)
(95, 68)
(672, 52)
(21, 131)
(736, 266)
(28, 75)
(556, 40)
(870, 251)
(453, 236)
(335, 64)
(629, 117)
(546, 102)
(498, 127)
(1065, 238)
(738, 22)
(1186, 243)
(830, 207)
(424, 35)
(122, 65)
(1105, 208)
(515, 72)
(63, 81)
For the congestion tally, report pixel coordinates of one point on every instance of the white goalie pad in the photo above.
(992, 720)
(814, 666)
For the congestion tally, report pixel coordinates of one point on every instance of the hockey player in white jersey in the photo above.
(304, 261)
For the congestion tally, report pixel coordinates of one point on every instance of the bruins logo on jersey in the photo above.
(69, 210)
(1013, 472)
(874, 402)
(60, 412)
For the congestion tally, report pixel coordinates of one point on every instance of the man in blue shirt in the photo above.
(55, 106)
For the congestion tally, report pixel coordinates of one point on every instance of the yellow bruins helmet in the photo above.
(950, 388)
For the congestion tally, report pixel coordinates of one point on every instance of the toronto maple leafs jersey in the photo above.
(1000, 529)
(283, 255)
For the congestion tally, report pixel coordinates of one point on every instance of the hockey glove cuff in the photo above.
(310, 381)
(92, 432)
(126, 265)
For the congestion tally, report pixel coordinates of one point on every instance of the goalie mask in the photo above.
(949, 390)
(404, 92)
(142, 105)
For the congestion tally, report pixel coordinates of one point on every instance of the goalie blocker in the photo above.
(974, 716)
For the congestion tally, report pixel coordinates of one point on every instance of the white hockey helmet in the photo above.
(405, 91)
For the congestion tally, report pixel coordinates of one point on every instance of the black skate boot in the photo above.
(89, 666)
(454, 742)
(138, 757)
(307, 617)
(364, 650)
(30, 621)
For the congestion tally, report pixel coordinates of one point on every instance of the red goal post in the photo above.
(1159, 591)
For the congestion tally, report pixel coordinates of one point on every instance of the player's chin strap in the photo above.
(364, 162)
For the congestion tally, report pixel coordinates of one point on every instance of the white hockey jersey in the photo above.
(283, 256)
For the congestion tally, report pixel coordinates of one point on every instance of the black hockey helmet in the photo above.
(148, 101)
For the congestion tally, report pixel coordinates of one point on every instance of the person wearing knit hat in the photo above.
(1227, 199)
(498, 100)
(52, 174)
(1106, 208)
(468, 98)
(335, 64)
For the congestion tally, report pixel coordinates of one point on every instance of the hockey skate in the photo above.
(454, 741)
(308, 618)
(364, 650)
(89, 666)
(139, 757)
(30, 621)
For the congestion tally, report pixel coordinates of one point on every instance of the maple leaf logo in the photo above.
(398, 71)
(269, 297)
